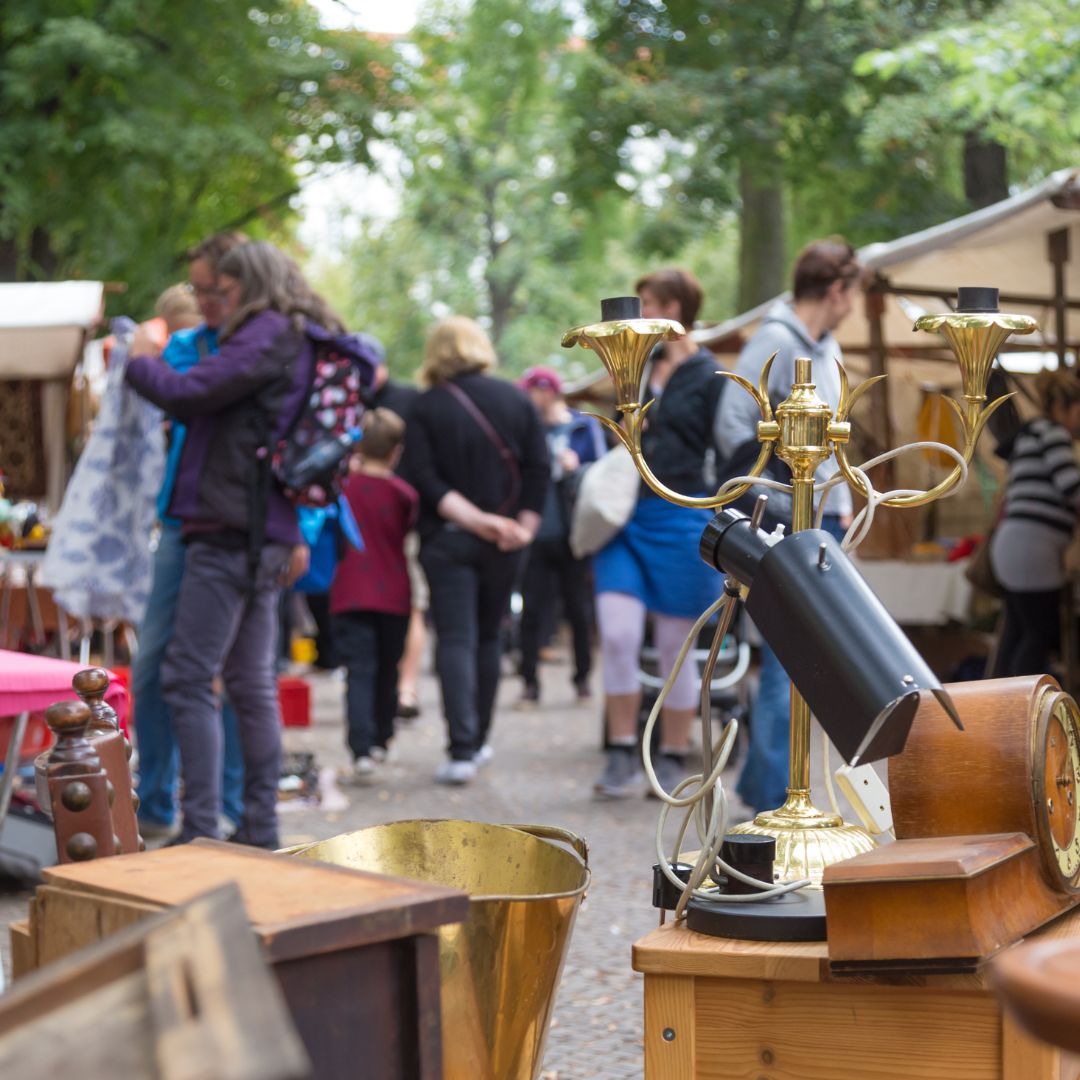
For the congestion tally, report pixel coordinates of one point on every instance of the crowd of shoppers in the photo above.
(464, 489)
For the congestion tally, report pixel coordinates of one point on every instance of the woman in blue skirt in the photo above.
(653, 566)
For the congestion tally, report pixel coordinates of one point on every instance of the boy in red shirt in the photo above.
(370, 598)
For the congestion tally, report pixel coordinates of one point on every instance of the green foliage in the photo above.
(1013, 75)
(770, 86)
(131, 128)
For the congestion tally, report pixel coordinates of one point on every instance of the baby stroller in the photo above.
(730, 691)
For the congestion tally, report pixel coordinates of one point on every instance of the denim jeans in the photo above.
(470, 582)
(764, 777)
(153, 724)
(226, 624)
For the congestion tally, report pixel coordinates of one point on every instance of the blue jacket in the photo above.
(183, 351)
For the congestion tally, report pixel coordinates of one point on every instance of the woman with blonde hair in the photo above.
(1042, 499)
(476, 453)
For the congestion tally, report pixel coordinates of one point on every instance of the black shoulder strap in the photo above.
(497, 441)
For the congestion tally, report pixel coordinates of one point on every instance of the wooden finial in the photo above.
(91, 684)
(68, 719)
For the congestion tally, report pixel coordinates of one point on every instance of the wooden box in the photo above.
(352, 952)
(935, 903)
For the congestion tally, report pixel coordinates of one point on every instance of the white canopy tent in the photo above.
(44, 327)
(1021, 245)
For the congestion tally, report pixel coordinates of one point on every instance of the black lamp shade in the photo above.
(844, 652)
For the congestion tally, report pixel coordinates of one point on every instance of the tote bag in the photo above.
(605, 502)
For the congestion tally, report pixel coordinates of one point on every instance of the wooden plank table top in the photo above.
(298, 908)
(674, 950)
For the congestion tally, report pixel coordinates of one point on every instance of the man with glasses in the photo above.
(153, 724)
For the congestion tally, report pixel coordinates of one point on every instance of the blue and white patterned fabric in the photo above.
(98, 562)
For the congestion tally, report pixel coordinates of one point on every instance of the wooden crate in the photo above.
(353, 952)
(183, 995)
(720, 1009)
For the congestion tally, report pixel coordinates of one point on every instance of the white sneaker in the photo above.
(484, 756)
(456, 772)
(379, 754)
(365, 771)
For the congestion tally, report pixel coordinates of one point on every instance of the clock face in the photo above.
(1057, 786)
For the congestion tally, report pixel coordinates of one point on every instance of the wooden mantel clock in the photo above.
(987, 822)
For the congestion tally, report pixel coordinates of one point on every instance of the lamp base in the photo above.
(807, 840)
(796, 916)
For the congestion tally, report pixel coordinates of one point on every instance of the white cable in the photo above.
(711, 829)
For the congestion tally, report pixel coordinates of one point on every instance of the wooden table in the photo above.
(722, 1009)
(353, 952)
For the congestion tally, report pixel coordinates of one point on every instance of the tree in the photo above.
(130, 128)
(1005, 84)
(761, 96)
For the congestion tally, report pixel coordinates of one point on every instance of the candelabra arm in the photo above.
(972, 428)
(630, 437)
(848, 397)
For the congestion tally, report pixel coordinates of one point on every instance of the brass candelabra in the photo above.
(803, 431)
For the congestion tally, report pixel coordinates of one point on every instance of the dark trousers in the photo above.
(1032, 631)
(326, 653)
(470, 583)
(370, 644)
(225, 626)
(550, 573)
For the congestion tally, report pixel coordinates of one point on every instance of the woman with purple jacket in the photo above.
(243, 542)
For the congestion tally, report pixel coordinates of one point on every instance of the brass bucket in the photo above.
(500, 969)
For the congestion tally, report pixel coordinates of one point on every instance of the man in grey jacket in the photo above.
(825, 276)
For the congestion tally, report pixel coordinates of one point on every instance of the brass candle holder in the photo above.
(803, 431)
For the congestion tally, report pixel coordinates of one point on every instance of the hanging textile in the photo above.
(98, 562)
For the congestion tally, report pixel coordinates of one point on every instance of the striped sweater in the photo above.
(1044, 480)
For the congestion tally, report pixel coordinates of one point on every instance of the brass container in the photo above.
(500, 969)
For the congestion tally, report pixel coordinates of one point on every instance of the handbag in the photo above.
(980, 570)
(606, 498)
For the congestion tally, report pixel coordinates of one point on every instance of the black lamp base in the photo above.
(795, 916)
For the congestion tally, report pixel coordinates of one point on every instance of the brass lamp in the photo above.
(803, 431)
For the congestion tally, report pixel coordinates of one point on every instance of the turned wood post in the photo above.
(79, 789)
(114, 750)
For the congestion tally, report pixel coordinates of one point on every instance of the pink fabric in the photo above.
(32, 683)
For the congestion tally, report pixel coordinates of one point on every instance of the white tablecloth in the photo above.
(919, 593)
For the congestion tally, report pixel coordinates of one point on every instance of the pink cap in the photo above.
(541, 378)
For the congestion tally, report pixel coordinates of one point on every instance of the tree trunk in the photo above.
(761, 233)
(9, 259)
(985, 173)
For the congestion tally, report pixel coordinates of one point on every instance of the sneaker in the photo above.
(365, 770)
(622, 775)
(157, 830)
(407, 709)
(670, 771)
(583, 689)
(379, 754)
(241, 837)
(456, 772)
(484, 756)
(530, 697)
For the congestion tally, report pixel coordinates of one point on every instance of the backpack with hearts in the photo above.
(311, 458)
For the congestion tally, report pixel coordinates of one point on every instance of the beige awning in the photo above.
(1006, 245)
(43, 327)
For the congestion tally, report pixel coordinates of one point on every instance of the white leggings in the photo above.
(620, 619)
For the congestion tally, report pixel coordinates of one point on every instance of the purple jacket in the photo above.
(261, 372)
